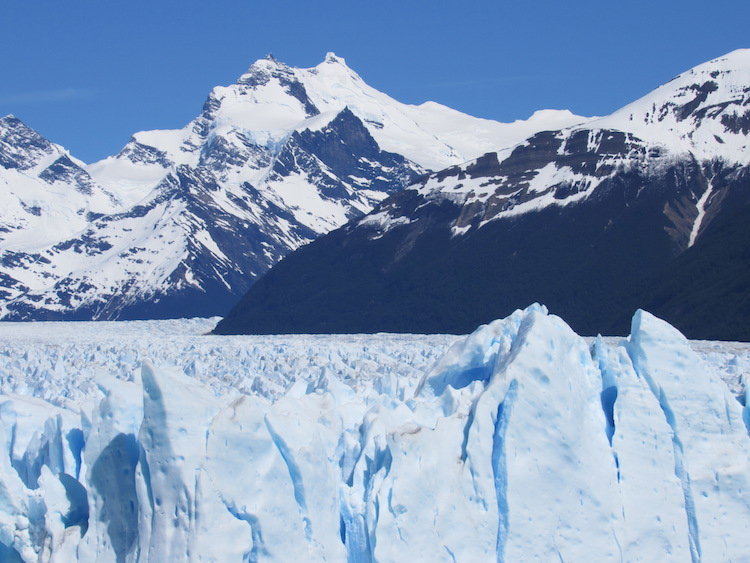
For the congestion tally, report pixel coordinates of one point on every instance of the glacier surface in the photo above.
(152, 441)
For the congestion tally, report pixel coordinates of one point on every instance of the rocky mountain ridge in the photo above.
(587, 219)
(181, 222)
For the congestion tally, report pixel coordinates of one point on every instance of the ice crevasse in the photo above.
(523, 443)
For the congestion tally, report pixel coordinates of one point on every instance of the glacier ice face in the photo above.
(521, 441)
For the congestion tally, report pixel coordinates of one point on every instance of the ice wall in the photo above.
(522, 443)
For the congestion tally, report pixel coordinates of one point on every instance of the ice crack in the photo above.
(684, 477)
(499, 467)
(296, 476)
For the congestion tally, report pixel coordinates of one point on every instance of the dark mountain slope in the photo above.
(579, 260)
(705, 292)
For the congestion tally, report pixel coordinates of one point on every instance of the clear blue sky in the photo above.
(89, 73)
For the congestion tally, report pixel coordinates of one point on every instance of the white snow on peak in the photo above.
(702, 114)
(268, 63)
(695, 112)
(264, 106)
(318, 122)
(45, 194)
(432, 135)
(331, 57)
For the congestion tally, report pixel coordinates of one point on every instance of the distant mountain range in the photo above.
(181, 223)
(648, 207)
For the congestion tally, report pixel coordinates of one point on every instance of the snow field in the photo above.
(152, 441)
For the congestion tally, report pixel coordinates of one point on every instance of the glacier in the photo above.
(523, 441)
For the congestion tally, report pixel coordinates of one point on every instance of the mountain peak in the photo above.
(738, 56)
(267, 63)
(652, 191)
(11, 121)
(261, 70)
(723, 68)
(21, 146)
(331, 57)
(702, 111)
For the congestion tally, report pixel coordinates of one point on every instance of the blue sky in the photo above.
(89, 73)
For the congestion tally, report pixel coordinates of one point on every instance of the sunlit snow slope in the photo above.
(181, 222)
(520, 442)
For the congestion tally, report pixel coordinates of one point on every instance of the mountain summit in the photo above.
(647, 207)
(181, 222)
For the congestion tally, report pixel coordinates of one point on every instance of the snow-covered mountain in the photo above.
(588, 218)
(519, 442)
(181, 222)
(47, 195)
